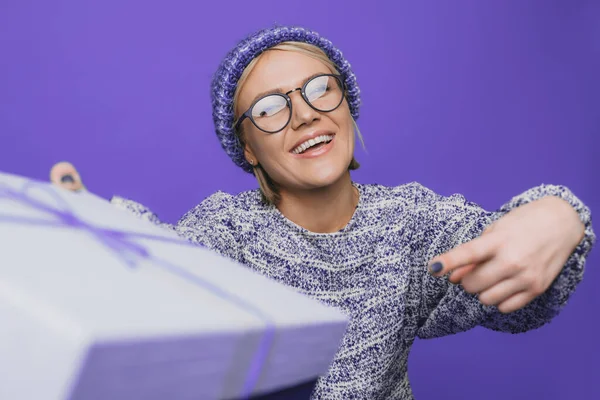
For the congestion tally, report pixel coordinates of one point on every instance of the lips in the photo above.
(312, 139)
(315, 151)
(312, 144)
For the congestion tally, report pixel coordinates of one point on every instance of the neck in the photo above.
(321, 210)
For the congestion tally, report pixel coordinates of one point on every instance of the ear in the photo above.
(249, 155)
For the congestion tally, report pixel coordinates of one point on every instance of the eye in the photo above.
(318, 87)
(269, 106)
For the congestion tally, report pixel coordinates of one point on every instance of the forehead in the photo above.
(279, 69)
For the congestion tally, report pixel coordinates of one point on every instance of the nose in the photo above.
(302, 113)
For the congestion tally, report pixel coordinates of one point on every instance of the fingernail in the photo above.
(67, 179)
(436, 267)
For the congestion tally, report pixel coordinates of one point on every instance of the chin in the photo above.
(323, 177)
(312, 175)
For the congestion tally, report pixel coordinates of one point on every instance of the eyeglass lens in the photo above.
(323, 93)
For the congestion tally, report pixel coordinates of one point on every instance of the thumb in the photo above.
(64, 174)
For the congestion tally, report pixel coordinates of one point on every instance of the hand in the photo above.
(518, 256)
(66, 176)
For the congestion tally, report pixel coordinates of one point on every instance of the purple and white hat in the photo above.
(226, 78)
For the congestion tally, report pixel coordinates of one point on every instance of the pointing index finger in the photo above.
(472, 252)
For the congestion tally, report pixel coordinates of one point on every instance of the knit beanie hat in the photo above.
(226, 78)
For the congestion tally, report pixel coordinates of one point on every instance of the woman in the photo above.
(402, 262)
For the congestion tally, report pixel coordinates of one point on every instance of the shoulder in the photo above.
(420, 195)
(223, 207)
(217, 221)
(408, 194)
(137, 209)
(414, 200)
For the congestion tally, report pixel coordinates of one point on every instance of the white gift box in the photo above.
(96, 303)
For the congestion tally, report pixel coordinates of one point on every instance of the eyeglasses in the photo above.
(272, 113)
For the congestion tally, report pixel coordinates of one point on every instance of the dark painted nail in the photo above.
(436, 267)
(67, 179)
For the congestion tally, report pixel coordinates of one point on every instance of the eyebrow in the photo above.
(280, 90)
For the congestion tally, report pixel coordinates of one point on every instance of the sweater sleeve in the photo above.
(208, 224)
(446, 308)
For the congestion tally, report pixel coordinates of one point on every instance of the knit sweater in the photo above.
(375, 270)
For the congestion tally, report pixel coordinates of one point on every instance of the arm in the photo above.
(447, 308)
(208, 224)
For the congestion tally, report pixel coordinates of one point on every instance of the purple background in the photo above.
(482, 98)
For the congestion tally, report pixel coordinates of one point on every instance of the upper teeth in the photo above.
(312, 142)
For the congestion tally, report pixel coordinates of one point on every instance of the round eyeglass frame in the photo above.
(286, 96)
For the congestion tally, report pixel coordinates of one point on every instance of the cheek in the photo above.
(267, 148)
(346, 127)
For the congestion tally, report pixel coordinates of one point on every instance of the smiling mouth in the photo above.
(312, 144)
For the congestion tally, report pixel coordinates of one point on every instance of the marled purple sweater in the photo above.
(375, 270)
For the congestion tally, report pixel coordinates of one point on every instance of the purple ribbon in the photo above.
(123, 245)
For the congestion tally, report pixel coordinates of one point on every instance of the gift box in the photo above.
(96, 303)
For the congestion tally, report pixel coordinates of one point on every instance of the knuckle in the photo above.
(486, 299)
(537, 288)
(530, 280)
(468, 285)
(513, 261)
(533, 284)
(497, 238)
(507, 309)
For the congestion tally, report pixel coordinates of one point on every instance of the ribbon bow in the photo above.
(124, 246)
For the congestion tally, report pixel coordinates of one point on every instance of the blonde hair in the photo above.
(268, 188)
